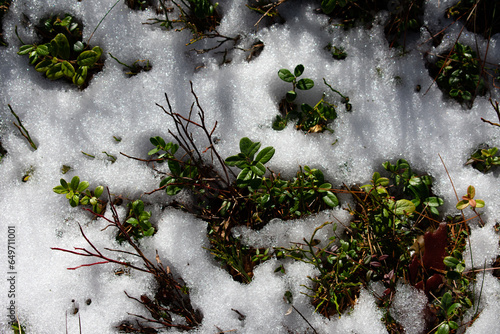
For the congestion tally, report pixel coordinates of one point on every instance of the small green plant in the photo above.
(460, 75)
(77, 193)
(418, 188)
(137, 224)
(468, 200)
(302, 84)
(484, 159)
(62, 54)
(252, 170)
(309, 118)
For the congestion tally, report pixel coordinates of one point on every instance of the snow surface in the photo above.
(390, 120)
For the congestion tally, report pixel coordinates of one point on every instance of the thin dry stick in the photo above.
(22, 129)
(276, 4)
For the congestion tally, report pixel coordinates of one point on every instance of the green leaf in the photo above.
(453, 324)
(98, 191)
(244, 175)
(286, 75)
(245, 145)
(433, 201)
(87, 58)
(67, 69)
(404, 206)
(63, 49)
(98, 51)
(55, 72)
(42, 50)
(138, 207)
(75, 181)
(64, 184)
(443, 329)
(60, 190)
(452, 308)
(84, 200)
(265, 155)
(74, 200)
(174, 167)
(25, 49)
(232, 160)
(330, 199)
(450, 261)
(324, 187)
(149, 232)
(480, 203)
(446, 300)
(299, 69)
(462, 204)
(132, 221)
(471, 191)
(82, 186)
(258, 169)
(44, 66)
(305, 84)
(80, 75)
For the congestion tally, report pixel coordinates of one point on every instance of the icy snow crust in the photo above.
(390, 120)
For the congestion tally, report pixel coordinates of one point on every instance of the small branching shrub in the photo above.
(62, 54)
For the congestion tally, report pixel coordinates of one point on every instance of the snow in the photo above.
(390, 120)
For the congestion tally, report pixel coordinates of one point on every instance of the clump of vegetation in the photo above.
(309, 118)
(393, 237)
(405, 15)
(484, 159)
(480, 17)
(199, 16)
(137, 223)
(138, 4)
(62, 53)
(459, 74)
(4, 7)
(338, 53)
